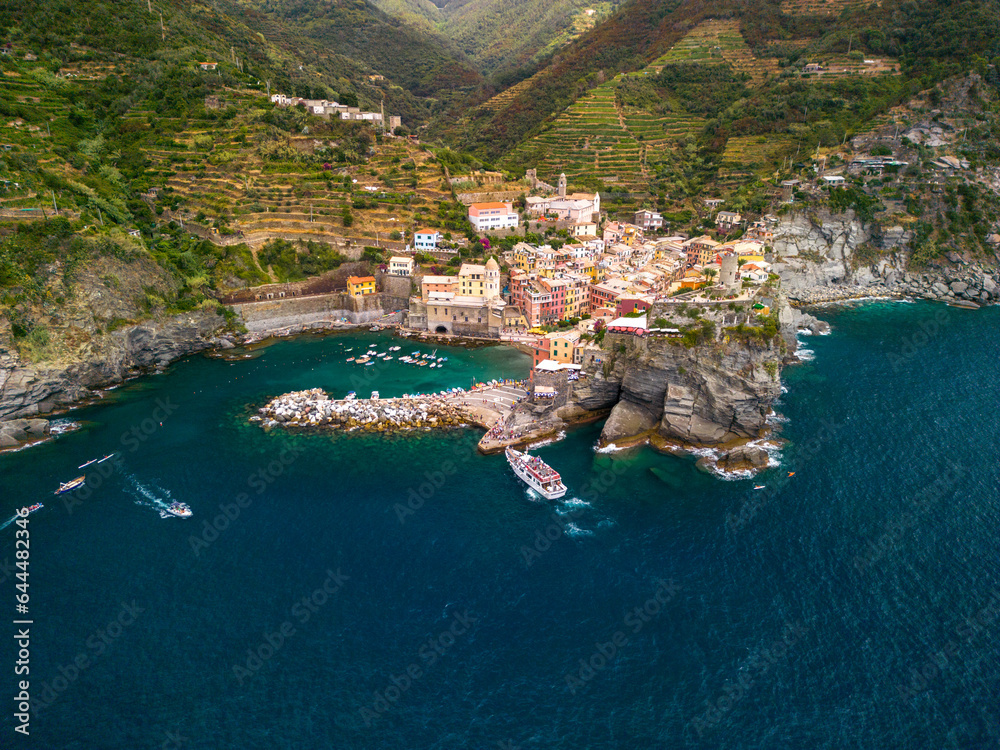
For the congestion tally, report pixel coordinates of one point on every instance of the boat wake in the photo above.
(155, 497)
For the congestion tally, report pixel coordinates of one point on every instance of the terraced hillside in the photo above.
(818, 7)
(232, 168)
(718, 42)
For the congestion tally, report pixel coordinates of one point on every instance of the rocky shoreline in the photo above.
(315, 408)
(972, 287)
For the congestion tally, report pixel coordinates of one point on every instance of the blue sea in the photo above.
(344, 591)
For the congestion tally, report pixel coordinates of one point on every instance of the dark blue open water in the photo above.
(854, 605)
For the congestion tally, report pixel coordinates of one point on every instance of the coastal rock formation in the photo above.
(822, 256)
(715, 393)
(707, 395)
(28, 389)
(17, 432)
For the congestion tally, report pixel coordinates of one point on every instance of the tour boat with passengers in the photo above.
(537, 474)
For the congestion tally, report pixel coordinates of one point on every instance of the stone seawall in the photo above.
(278, 314)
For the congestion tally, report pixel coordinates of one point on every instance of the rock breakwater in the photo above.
(315, 408)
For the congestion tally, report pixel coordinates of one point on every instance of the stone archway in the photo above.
(440, 329)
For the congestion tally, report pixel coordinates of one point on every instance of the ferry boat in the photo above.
(71, 485)
(537, 474)
(181, 510)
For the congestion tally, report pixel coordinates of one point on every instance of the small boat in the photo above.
(350, 396)
(387, 359)
(349, 350)
(70, 485)
(31, 509)
(95, 461)
(758, 486)
(181, 510)
(374, 396)
(369, 364)
(791, 473)
(350, 359)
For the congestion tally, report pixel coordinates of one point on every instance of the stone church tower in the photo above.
(562, 185)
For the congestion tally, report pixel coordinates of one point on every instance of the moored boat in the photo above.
(537, 474)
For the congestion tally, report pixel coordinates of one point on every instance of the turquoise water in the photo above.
(852, 605)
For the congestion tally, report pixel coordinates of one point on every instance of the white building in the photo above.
(492, 216)
(426, 239)
(400, 265)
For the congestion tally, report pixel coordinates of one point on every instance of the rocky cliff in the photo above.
(822, 255)
(28, 389)
(716, 393)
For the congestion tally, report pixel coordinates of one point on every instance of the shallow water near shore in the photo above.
(445, 607)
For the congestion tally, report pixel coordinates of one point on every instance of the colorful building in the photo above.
(359, 286)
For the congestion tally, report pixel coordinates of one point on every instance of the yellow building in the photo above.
(479, 281)
(359, 286)
(562, 346)
(523, 257)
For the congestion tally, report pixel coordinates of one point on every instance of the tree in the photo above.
(348, 218)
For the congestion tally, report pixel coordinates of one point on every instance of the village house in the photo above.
(699, 250)
(727, 221)
(426, 239)
(208, 65)
(359, 286)
(648, 220)
(400, 265)
(622, 233)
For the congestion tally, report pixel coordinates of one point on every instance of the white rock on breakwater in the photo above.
(314, 408)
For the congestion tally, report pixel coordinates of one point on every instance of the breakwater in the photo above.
(315, 408)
